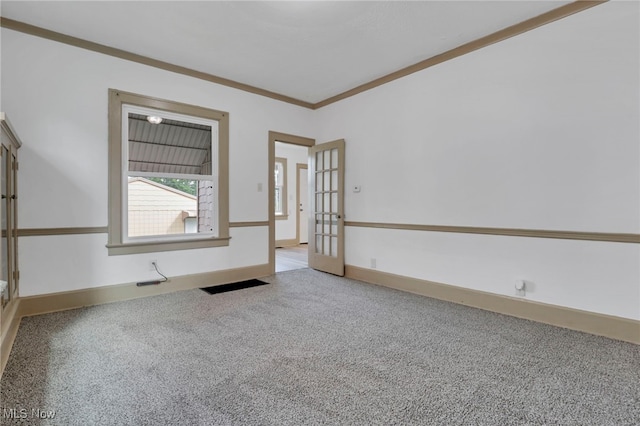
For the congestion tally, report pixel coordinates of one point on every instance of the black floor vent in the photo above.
(233, 286)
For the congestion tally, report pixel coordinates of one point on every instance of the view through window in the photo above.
(170, 175)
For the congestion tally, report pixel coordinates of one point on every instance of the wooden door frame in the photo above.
(300, 166)
(273, 138)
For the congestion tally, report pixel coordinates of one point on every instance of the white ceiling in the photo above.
(308, 50)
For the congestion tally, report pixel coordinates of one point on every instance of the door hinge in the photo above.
(16, 275)
(16, 166)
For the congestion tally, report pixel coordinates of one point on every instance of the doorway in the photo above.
(291, 199)
(325, 197)
(288, 236)
(291, 257)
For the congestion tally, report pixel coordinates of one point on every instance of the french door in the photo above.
(326, 221)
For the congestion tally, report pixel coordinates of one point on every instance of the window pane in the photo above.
(278, 200)
(167, 206)
(170, 146)
(278, 173)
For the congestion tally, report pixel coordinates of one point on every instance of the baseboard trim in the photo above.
(9, 332)
(590, 322)
(53, 302)
(286, 243)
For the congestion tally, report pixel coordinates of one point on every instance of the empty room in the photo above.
(320, 212)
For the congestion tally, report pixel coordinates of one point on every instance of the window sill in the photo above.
(155, 246)
(282, 216)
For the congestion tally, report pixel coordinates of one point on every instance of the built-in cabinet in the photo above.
(9, 271)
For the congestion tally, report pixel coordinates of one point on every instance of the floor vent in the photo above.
(233, 286)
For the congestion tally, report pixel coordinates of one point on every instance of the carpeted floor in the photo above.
(311, 348)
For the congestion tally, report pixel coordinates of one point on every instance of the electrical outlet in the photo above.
(373, 263)
(151, 267)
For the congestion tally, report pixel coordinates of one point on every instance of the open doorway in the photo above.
(291, 206)
(288, 201)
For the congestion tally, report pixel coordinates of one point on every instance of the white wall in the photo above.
(540, 131)
(286, 228)
(56, 97)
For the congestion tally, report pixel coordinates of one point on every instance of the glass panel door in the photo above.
(13, 226)
(4, 247)
(326, 235)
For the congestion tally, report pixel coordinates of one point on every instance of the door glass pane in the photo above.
(327, 160)
(334, 158)
(327, 246)
(318, 182)
(334, 202)
(334, 247)
(327, 206)
(327, 224)
(334, 180)
(327, 183)
(319, 165)
(319, 244)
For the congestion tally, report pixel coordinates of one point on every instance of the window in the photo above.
(168, 175)
(280, 176)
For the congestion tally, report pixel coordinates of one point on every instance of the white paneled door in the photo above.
(326, 221)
